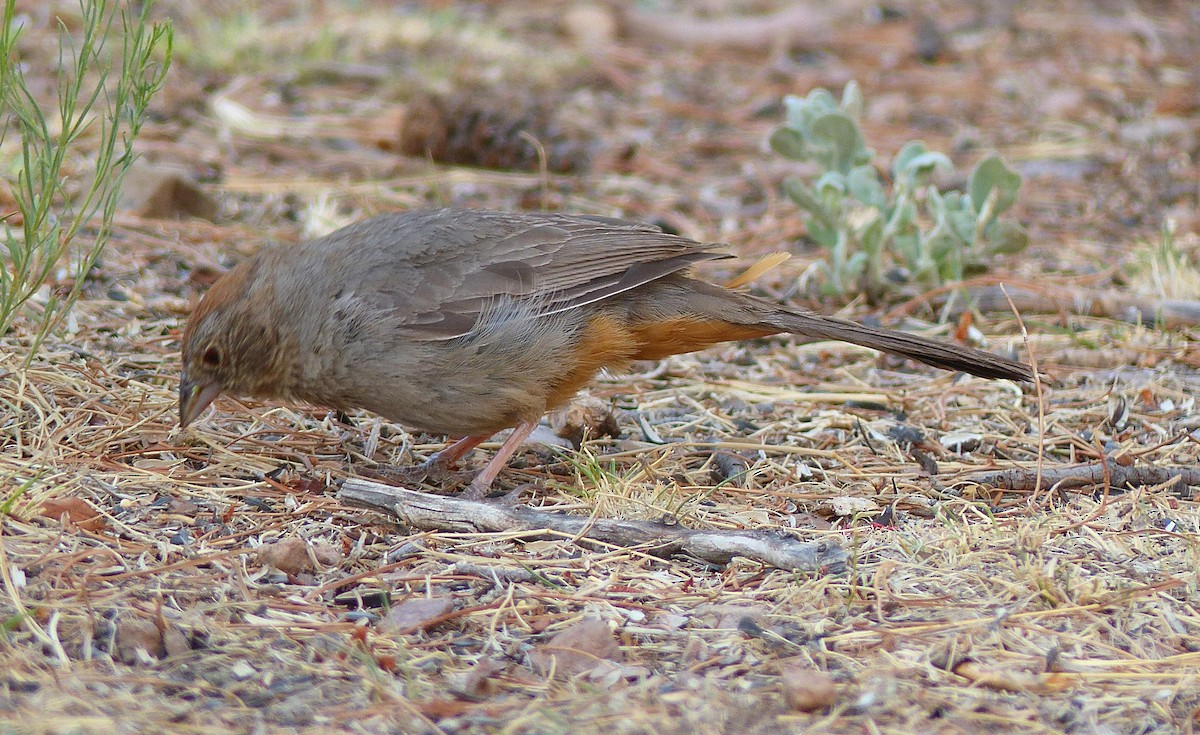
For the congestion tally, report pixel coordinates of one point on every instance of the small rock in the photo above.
(929, 41)
(175, 643)
(961, 441)
(242, 671)
(591, 26)
(164, 191)
(327, 555)
(848, 506)
(289, 555)
(670, 621)
(545, 436)
(361, 598)
(807, 690)
(139, 639)
(418, 612)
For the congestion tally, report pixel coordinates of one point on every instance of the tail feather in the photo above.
(937, 353)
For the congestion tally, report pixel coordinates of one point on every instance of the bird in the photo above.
(465, 322)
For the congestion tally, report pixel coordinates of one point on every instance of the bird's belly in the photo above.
(459, 408)
(472, 387)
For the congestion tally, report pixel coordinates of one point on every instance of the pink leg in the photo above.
(449, 456)
(483, 481)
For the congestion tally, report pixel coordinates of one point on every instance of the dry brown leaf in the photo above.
(576, 650)
(729, 617)
(440, 709)
(479, 681)
(587, 417)
(78, 511)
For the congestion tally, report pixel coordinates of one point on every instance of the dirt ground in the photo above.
(211, 581)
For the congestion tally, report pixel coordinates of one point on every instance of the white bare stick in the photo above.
(445, 513)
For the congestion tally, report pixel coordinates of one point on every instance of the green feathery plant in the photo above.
(59, 237)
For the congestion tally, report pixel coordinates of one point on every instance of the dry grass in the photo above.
(1069, 609)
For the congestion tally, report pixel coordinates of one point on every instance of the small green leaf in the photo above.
(962, 224)
(832, 184)
(821, 235)
(871, 236)
(799, 193)
(951, 269)
(1006, 237)
(992, 173)
(855, 266)
(789, 143)
(829, 288)
(863, 184)
(914, 163)
(821, 99)
(797, 112)
(904, 218)
(920, 168)
(852, 100)
(907, 152)
(935, 203)
(841, 140)
(940, 241)
(908, 246)
(954, 201)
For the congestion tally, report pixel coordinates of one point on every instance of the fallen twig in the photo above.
(1026, 478)
(425, 511)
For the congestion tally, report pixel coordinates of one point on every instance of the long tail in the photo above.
(931, 352)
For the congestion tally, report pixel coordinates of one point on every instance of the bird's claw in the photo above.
(479, 491)
(430, 472)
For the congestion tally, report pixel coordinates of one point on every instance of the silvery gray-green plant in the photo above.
(58, 233)
(934, 236)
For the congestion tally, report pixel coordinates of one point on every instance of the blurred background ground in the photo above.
(160, 581)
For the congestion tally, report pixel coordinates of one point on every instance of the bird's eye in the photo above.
(212, 357)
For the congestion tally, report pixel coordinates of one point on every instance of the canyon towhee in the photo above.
(465, 322)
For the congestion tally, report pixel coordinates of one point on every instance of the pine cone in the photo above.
(460, 131)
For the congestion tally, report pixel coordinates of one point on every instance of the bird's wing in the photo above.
(447, 266)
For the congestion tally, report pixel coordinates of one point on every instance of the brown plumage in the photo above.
(466, 322)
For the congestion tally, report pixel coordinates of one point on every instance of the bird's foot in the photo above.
(478, 491)
(432, 471)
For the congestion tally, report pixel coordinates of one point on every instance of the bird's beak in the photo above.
(194, 398)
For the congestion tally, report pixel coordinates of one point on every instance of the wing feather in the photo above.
(444, 267)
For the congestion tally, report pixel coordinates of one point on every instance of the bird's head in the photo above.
(230, 344)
